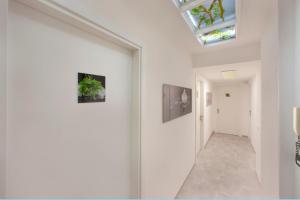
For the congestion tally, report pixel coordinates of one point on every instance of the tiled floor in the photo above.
(225, 168)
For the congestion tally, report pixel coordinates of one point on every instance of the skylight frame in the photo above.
(183, 8)
(219, 40)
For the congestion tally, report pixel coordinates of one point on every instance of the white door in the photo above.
(199, 116)
(233, 106)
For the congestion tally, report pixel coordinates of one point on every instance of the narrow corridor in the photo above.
(225, 168)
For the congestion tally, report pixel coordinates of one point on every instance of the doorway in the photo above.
(199, 116)
(233, 108)
(54, 105)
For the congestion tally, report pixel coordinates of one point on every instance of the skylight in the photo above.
(218, 35)
(212, 21)
(182, 2)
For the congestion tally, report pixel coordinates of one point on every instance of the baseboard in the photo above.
(185, 179)
(204, 146)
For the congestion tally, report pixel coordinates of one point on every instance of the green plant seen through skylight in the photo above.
(220, 34)
(208, 15)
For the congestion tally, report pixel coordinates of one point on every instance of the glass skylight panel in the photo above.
(219, 35)
(200, 18)
(212, 21)
(182, 2)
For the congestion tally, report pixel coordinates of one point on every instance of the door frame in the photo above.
(197, 121)
(243, 128)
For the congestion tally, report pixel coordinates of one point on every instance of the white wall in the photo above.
(3, 29)
(287, 41)
(238, 122)
(57, 147)
(168, 150)
(235, 55)
(288, 74)
(270, 120)
(296, 92)
(255, 127)
(209, 112)
(289, 95)
(199, 112)
(289, 22)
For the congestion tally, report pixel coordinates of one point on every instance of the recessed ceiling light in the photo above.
(230, 74)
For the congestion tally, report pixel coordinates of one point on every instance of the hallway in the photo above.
(225, 168)
(155, 100)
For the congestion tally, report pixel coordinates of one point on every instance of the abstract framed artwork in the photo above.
(177, 101)
(91, 88)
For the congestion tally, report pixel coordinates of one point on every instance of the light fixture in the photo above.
(229, 75)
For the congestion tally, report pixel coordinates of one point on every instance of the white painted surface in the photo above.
(289, 95)
(297, 85)
(168, 149)
(255, 124)
(209, 119)
(3, 35)
(270, 113)
(209, 112)
(57, 147)
(233, 117)
(199, 116)
(245, 71)
(296, 92)
(241, 54)
(288, 89)
(158, 13)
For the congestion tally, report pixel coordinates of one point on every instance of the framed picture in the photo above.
(177, 101)
(91, 88)
(209, 99)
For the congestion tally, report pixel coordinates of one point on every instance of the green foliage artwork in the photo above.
(91, 88)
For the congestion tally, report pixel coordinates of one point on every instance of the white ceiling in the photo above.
(252, 18)
(162, 17)
(245, 72)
